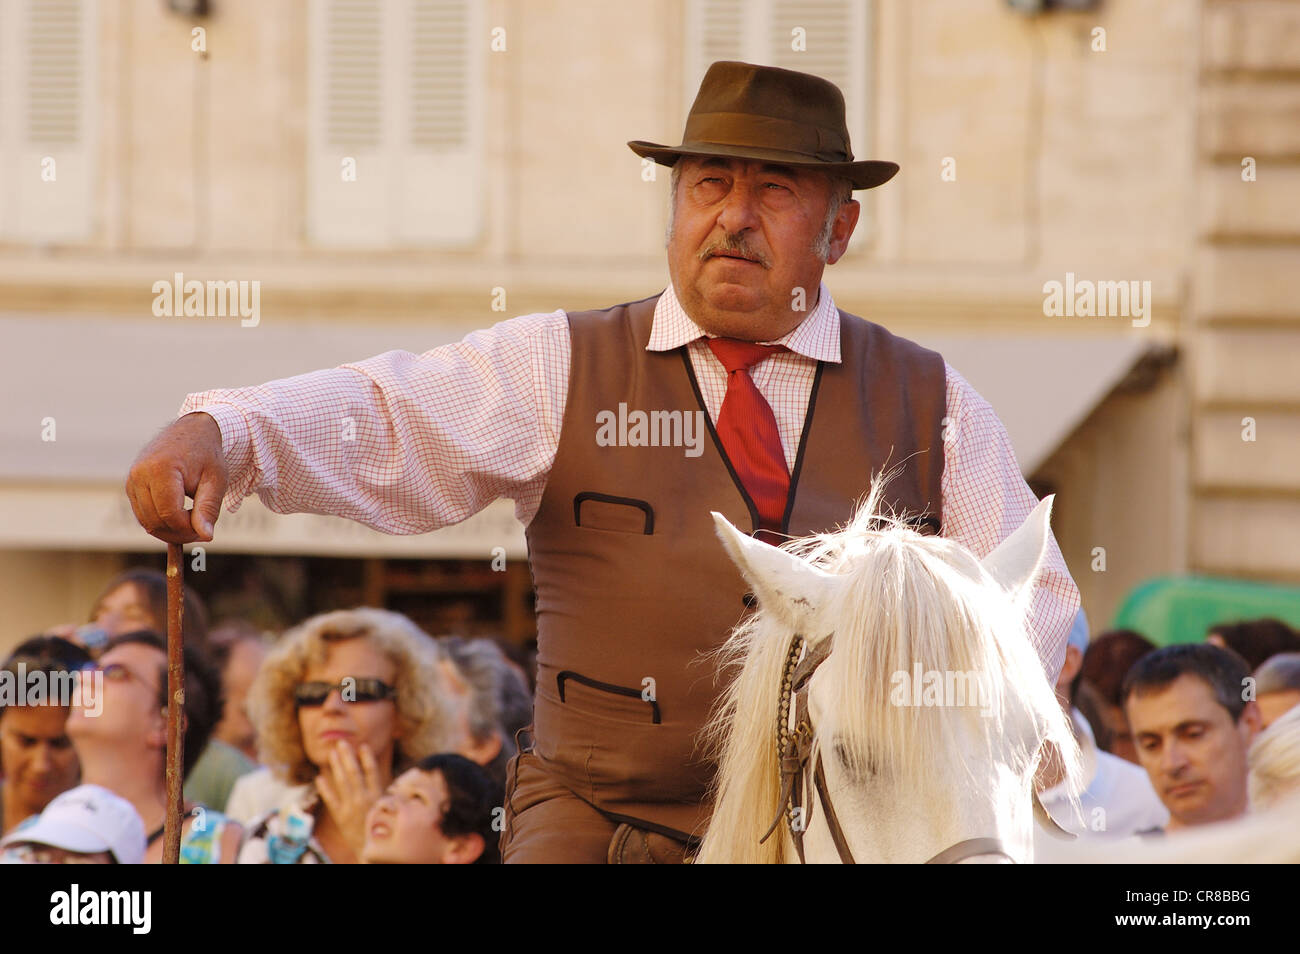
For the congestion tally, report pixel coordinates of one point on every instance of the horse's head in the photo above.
(928, 712)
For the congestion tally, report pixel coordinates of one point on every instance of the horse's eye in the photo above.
(844, 756)
(855, 766)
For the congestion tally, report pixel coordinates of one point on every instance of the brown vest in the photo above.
(633, 585)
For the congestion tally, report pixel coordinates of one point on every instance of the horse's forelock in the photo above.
(898, 598)
(908, 600)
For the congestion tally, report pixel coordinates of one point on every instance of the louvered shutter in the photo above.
(47, 62)
(9, 60)
(398, 87)
(440, 151)
(836, 49)
(719, 30)
(348, 115)
(837, 46)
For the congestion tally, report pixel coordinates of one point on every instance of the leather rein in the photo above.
(794, 749)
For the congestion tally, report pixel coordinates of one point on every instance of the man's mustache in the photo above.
(736, 245)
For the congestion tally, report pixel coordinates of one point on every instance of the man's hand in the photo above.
(184, 460)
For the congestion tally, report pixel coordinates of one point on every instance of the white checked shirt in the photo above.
(439, 436)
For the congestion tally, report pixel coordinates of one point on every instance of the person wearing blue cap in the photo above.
(1117, 798)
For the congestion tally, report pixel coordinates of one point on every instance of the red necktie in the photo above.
(747, 428)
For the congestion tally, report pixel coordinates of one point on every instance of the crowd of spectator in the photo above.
(356, 737)
(1182, 735)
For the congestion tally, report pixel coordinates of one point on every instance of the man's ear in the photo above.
(1252, 719)
(463, 849)
(846, 220)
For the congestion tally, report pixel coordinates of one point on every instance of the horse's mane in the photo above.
(897, 598)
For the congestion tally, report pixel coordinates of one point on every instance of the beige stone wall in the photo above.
(1245, 342)
(1121, 490)
(1116, 165)
(202, 159)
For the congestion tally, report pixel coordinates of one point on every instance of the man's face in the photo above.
(1274, 705)
(405, 826)
(36, 755)
(742, 245)
(1193, 752)
(132, 710)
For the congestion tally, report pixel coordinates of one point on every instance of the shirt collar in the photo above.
(816, 337)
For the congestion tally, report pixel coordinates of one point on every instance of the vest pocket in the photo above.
(612, 745)
(612, 708)
(594, 511)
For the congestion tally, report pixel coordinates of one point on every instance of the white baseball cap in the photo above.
(87, 819)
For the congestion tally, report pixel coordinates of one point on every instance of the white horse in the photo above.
(911, 769)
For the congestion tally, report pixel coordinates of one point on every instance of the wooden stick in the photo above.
(173, 820)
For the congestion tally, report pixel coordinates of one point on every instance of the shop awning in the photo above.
(105, 385)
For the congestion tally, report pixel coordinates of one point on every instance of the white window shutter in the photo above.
(45, 119)
(835, 39)
(719, 30)
(9, 58)
(348, 119)
(440, 150)
(836, 42)
(836, 35)
(397, 87)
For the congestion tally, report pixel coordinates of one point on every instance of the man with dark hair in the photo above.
(445, 810)
(1117, 799)
(1193, 723)
(37, 761)
(123, 749)
(1255, 640)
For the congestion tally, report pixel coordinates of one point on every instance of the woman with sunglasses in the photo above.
(343, 703)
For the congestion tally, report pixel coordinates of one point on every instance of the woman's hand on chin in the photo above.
(348, 786)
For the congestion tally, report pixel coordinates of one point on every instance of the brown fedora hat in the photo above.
(744, 111)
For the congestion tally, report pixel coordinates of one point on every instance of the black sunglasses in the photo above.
(362, 689)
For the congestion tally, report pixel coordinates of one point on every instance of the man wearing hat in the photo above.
(85, 825)
(582, 417)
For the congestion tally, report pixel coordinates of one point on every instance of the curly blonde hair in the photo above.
(425, 707)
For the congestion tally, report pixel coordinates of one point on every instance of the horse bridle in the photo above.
(794, 749)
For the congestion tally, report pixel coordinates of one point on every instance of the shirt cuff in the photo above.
(236, 445)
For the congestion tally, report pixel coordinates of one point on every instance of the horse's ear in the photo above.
(1014, 562)
(778, 577)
